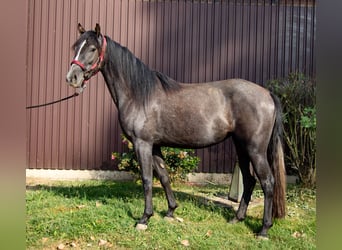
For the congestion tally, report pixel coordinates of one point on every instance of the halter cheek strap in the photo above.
(95, 68)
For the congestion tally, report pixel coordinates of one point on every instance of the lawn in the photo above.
(102, 215)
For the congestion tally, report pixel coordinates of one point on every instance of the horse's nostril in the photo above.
(71, 78)
(68, 77)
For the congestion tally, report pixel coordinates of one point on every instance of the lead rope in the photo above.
(53, 102)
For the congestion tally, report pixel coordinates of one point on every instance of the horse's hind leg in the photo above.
(265, 175)
(248, 183)
(159, 167)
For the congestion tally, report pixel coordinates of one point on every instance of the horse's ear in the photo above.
(80, 28)
(98, 30)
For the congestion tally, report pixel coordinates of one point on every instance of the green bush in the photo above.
(179, 162)
(298, 96)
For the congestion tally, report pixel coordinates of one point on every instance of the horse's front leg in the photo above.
(159, 167)
(144, 153)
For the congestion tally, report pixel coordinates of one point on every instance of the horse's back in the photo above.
(238, 95)
(243, 88)
(235, 87)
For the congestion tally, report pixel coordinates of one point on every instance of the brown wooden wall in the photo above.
(191, 41)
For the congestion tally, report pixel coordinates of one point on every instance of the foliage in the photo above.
(297, 94)
(102, 215)
(179, 162)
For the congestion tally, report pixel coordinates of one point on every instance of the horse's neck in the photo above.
(120, 68)
(116, 87)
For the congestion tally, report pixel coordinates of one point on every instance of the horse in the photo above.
(154, 111)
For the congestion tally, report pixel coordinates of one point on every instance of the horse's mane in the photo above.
(137, 76)
(167, 82)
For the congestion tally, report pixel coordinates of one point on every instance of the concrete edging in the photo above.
(51, 174)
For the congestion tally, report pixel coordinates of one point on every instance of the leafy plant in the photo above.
(179, 162)
(297, 94)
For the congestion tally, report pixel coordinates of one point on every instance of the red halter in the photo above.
(95, 68)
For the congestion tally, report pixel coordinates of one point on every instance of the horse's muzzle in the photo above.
(75, 76)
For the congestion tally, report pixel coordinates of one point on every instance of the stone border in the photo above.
(198, 178)
(64, 175)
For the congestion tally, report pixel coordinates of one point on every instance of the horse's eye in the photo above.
(93, 49)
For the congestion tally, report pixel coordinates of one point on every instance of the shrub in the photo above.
(179, 162)
(297, 94)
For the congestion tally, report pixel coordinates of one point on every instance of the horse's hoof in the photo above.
(141, 227)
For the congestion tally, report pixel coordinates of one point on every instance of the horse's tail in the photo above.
(276, 160)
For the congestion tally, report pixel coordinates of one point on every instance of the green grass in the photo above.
(82, 213)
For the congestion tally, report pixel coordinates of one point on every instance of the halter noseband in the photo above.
(95, 68)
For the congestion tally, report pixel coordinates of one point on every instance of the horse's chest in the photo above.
(139, 124)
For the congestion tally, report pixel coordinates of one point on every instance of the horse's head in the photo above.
(89, 54)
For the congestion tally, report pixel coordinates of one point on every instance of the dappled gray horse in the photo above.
(155, 110)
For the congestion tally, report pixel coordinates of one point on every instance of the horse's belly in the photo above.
(194, 131)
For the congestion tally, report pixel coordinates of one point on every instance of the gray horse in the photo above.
(155, 110)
